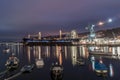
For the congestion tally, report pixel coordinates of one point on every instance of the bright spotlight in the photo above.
(109, 20)
(100, 23)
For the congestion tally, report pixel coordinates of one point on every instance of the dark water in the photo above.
(50, 54)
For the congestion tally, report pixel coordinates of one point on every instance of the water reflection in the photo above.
(28, 54)
(111, 70)
(47, 51)
(83, 51)
(74, 54)
(116, 50)
(78, 53)
(65, 52)
(56, 70)
(58, 48)
(67, 56)
(39, 60)
(34, 51)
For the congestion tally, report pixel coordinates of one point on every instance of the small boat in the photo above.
(12, 62)
(101, 69)
(56, 71)
(27, 68)
(7, 50)
(39, 63)
(81, 61)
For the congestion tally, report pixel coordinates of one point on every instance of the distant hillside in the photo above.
(109, 33)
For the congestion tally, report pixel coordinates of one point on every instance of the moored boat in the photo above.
(27, 68)
(7, 50)
(101, 69)
(56, 71)
(81, 61)
(12, 62)
(39, 63)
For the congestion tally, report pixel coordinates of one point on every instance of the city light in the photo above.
(109, 20)
(93, 25)
(100, 23)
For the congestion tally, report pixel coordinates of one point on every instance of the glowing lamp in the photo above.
(100, 23)
(109, 20)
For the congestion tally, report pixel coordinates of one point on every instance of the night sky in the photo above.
(18, 18)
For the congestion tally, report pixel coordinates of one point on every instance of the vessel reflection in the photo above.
(47, 50)
(69, 60)
(56, 70)
(39, 61)
(28, 54)
(74, 54)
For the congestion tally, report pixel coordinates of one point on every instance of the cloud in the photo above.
(27, 16)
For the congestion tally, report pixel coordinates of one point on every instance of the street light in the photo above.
(109, 20)
(100, 23)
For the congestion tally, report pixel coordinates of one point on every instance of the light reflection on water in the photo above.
(68, 58)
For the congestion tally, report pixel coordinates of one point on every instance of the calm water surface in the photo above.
(50, 54)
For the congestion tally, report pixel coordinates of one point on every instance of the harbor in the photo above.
(75, 61)
(61, 58)
(59, 40)
(94, 44)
